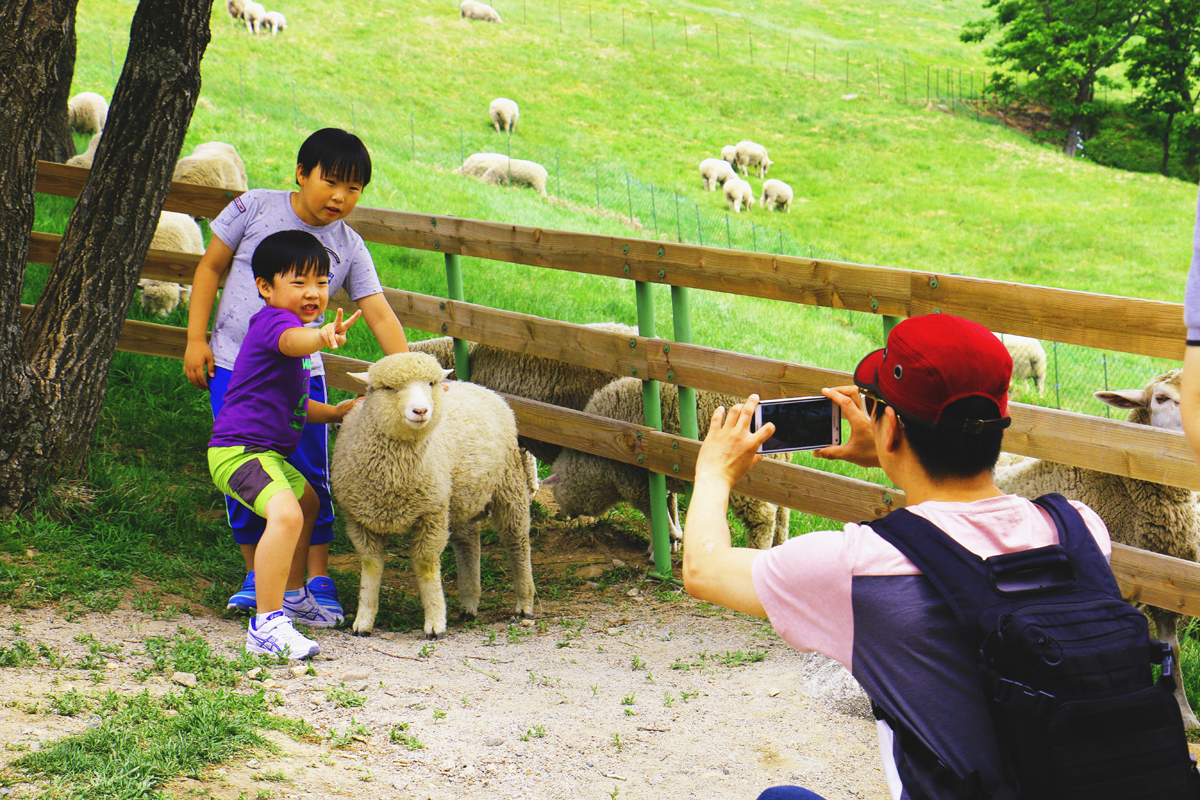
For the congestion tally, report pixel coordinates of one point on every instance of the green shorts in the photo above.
(253, 478)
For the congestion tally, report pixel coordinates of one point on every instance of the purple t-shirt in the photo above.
(242, 225)
(267, 399)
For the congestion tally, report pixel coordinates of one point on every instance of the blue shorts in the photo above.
(311, 459)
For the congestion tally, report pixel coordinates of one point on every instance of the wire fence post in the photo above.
(622, 27)
(717, 27)
(814, 61)
(685, 38)
(598, 186)
(462, 148)
(787, 65)
(653, 45)
(678, 222)
(560, 17)
(847, 67)
(699, 229)
(878, 79)
(590, 34)
(412, 132)
(295, 109)
(241, 86)
(112, 65)
(905, 84)
(781, 243)
(629, 192)
(754, 236)
(654, 210)
(728, 234)
(354, 119)
(751, 36)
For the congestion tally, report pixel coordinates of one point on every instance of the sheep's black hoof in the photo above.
(364, 634)
(526, 615)
(468, 616)
(437, 636)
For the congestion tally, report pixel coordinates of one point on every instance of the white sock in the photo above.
(293, 594)
(261, 618)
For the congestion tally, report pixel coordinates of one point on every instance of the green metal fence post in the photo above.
(652, 408)
(681, 314)
(454, 283)
(888, 324)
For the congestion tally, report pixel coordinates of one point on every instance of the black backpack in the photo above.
(1066, 667)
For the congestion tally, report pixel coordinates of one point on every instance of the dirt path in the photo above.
(507, 711)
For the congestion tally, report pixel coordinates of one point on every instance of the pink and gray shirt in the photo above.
(852, 596)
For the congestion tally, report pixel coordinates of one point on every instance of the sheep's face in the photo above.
(575, 496)
(404, 394)
(1157, 404)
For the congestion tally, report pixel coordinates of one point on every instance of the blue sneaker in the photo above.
(326, 593)
(302, 607)
(244, 599)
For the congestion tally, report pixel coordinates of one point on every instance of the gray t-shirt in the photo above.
(243, 224)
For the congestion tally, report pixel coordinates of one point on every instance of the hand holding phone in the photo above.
(801, 423)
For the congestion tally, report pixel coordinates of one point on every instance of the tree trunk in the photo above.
(1166, 140)
(53, 369)
(57, 143)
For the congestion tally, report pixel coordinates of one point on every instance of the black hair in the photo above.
(289, 251)
(945, 453)
(340, 155)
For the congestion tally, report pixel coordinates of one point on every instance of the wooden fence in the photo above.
(1102, 321)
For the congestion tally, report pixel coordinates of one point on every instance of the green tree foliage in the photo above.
(1061, 45)
(1164, 66)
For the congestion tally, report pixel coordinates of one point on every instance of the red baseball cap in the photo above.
(934, 360)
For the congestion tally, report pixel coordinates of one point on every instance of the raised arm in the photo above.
(384, 323)
(298, 341)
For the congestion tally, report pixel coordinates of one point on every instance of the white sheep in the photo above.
(714, 172)
(414, 457)
(739, 194)
(236, 9)
(253, 13)
(518, 173)
(181, 234)
(215, 164)
(776, 194)
(1029, 359)
(86, 158)
(87, 112)
(1150, 516)
(472, 9)
(275, 21)
(504, 114)
(479, 163)
(752, 154)
(545, 380)
(588, 485)
(729, 154)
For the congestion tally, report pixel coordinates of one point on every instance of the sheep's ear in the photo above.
(446, 373)
(553, 480)
(361, 377)
(1127, 398)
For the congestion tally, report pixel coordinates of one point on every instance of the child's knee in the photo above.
(310, 504)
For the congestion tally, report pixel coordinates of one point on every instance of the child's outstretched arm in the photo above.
(298, 342)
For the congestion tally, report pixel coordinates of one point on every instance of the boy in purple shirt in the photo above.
(260, 425)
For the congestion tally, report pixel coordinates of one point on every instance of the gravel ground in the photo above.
(604, 695)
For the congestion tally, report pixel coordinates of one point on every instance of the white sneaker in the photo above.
(308, 611)
(276, 636)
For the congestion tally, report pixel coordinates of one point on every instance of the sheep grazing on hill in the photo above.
(236, 9)
(776, 194)
(275, 21)
(214, 164)
(588, 485)
(714, 172)
(1150, 516)
(253, 13)
(414, 457)
(472, 9)
(504, 113)
(739, 194)
(729, 154)
(1029, 359)
(181, 234)
(752, 154)
(518, 173)
(479, 163)
(87, 112)
(86, 158)
(545, 380)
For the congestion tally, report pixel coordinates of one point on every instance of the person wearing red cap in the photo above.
(934, 406)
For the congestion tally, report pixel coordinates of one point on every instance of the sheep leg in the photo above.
(465, 542)
(759, 519)
(783, 518)
(1165, 624)
(430, 535)
(370, 548)
(511, 517)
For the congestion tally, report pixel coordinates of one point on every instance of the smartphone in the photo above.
(801, 423)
